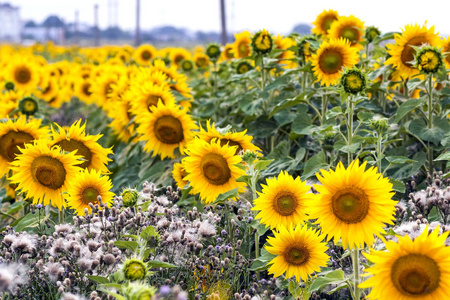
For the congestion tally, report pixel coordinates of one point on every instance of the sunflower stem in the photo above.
(215, 78)
(430, 121)
(350, 127)
(61, 215)
(356, 279)
(263, 75)
(324, 108)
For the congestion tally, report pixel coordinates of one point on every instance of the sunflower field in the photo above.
(275, 167)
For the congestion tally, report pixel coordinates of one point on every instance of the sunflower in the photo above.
(227, 53)
(331, 58)
(148, 95)
(178, 174)
(323, 22)
(201, 60)
(212, 169)
(144, 55)
(75, 138)
(262, 42)
(177, 55)
(83, 91)
(239, 139)
(411, 269)
(349, 28)
(43, 173)
(402, 54)
(24, 74)
(353, 204)
(429, 59)
(16, 134)
(286, 56)
(165, 129)
(241, 45)
(282, 201)
(445, 45)
(85, 189)
(299, 252)
(50, 90)
(121, 117)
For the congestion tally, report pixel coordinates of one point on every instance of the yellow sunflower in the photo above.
(85, 189)
(445, 45)
(282, 201)
(144, 55)
(24, 74)
(300, 252)
(212, 169)
(147, 96)
(177, 55)
(16, 134)
(227, 53)
(242, 45)
(76, 139)
(83, 91)
(43, 173)
(50, 90)
(285, 57)
(350, 28)
(411, 269)
(178, 174)
(239, 139)
(166, 128)
(323, 22)
(352, 204)
(121, 117)
(331, 58)
(201, 60)
(402, 54)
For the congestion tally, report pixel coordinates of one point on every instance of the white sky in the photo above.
(278, 16)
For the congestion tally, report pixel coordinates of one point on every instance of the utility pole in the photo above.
(137, 41)
(96, 29)
(223, 21)
(77, 36)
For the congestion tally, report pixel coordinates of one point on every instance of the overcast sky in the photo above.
(278, 16)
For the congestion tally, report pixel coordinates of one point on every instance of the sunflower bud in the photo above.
(428, 59)
(134, 269)
(262, 42)
(379, 124)
(9, 86)
(243, 67)
(371, 33)
(187, 65)
(28, 106)
(354, 81)
(139, 291)
(213, 51)
(129, 197)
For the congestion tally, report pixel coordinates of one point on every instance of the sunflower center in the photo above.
(296, 255)
(330, 61)
(350, 33)
(408, 52)
(327, 23)
(90, 195)
(178, 58)
(350, 205)
(215, 169)
(48, 171)
(415, 275)
(108, 89)
(243, 49)
(285, 203)
(22, 75)
(29, 105)
(146, 55)
(231, 143)
(10, 143)
(152, 100)
(82, 149)
(168, 130)
(85, 88)
(48, 89)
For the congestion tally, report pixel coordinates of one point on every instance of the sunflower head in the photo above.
(28, 106)
(201, 60)
(354, 81)
(9, 86)
(134, 269)
(371, 33)
(349, 28)
(213, 51)
(262, 42)
(428, 59)
(187, 65)
(129, 197)
(306, 49)
(243, 67)
(299, 252)
(139, 291)
(410, 269)
(323, 22)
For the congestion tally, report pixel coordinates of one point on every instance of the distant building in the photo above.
(10, 23)
(51, 29)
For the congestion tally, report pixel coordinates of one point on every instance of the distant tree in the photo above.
(30, 24)
(53, 21)
(302, 28)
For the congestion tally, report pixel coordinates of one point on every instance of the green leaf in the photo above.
(400, 160)
(443, 156)
(98, 279)
(160, 264)
(303, 124)
(434, 215)
(258, 265)
(314, 164)
(28, 221)
(420, 128)
(230, 194)
(334, 277)
(397, 185)
(280, 81)
(407, 107)
(343, 147)
(148, 232)
(262, 164)
(15, 207)
(130, 245)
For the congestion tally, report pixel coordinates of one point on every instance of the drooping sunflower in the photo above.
(16, 134)
(282, 201)
(402, 54)
(350, 28)
(212, 169)
(144, 55)
(24, 74)
(239, 139)
(445, 45)
(330, 59)
(85, 189)
(241, 45)
(166, 128)
(323, 22)
(411, 269)
(43, 172)
(75, 138)
(300, 252)
(178, 175)
(352, 204)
